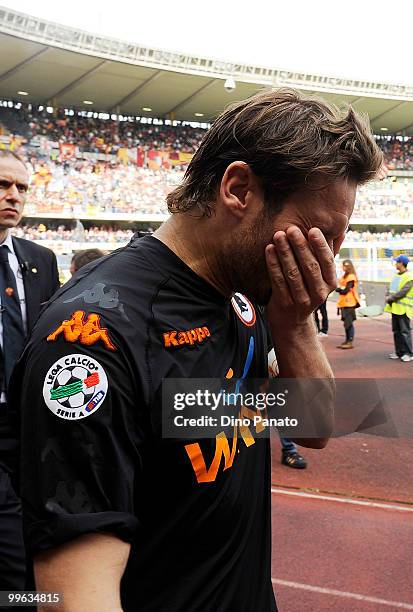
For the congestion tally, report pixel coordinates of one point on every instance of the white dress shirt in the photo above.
(15, 266)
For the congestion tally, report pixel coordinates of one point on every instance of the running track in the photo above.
(343, 528)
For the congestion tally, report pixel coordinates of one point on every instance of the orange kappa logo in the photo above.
(191, 336)
(86, 331)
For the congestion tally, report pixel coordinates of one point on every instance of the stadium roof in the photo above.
(64, 66)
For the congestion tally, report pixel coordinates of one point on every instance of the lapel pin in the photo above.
(34, 270)
(9, 291)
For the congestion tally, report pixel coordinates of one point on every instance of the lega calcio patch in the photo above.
(75, 387)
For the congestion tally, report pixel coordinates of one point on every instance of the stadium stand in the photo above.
(114, 236)
(367, 236)
(82, 188)
(398, 153)
(89, 132)
(102, 234)
(96, 167)
(88, 167)
(92, 134)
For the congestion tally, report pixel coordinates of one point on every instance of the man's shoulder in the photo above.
(113, 290)
(33, 248)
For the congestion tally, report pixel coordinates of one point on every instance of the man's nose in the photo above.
(13, 194)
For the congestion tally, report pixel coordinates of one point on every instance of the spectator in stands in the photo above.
(81, 258)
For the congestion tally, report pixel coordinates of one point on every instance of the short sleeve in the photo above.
(82, 428)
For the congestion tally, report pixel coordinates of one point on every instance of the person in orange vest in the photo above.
(348, 301)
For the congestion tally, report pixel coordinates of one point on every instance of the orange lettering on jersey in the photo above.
(246, 413)
(190, 336)
(183, 338)
(221, 450)
(170, 339)
(204, 474)
(86, 331)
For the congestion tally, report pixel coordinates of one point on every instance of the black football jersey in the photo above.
(197, 514)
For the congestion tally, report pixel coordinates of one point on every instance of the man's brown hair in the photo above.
(286, 139)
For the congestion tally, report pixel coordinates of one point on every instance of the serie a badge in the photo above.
(75, 387)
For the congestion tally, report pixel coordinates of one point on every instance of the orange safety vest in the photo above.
(351, 299)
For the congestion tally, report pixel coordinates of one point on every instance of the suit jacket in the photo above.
(40, 276)
(41, 280)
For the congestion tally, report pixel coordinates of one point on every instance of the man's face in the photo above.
(399, 266)
(328, 209)
(14, 182)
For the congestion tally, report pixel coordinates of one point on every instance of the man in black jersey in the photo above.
(117, 516)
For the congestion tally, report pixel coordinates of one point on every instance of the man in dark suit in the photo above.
(28, 278)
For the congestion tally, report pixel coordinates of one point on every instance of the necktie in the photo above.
(13, 330)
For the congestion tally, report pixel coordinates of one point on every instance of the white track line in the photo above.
(366, 598)
(343, 500)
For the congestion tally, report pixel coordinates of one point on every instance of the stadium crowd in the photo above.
(386, 199)
(387, 236)
(89, 132)
(99, 135)
(398, 154)
(102, 234)
(93, 176)
(114, 235)
(81, 187)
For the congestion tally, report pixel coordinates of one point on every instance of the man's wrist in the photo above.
(302, 331)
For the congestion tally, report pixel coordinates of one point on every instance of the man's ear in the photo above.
(237, 184)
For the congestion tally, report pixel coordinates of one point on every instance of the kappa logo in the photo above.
(87, 331)
(74, 387)
(105, 299)
(244, 309)
(191, 336)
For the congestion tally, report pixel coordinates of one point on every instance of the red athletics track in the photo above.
(343, 528)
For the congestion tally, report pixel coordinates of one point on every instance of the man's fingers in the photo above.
(277, 276)
(324, 255)
(291, 270)
(305, 267)
(309, 265)
(308, 262)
